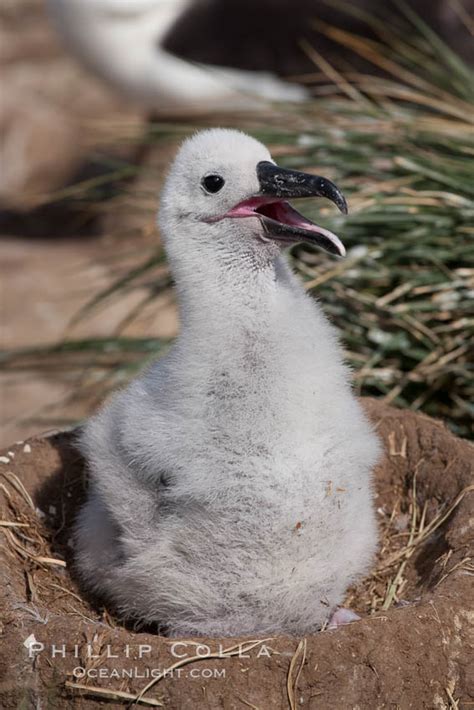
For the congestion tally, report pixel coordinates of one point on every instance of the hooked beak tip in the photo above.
(288, 184)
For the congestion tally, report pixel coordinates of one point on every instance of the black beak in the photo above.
(288, 184)
(281, 221)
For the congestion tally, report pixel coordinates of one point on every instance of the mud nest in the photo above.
(410, 650)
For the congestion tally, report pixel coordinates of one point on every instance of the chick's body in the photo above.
(230, 484)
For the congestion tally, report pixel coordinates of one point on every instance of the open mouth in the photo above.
(282, 223)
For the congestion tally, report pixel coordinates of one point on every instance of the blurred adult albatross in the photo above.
(121, 41)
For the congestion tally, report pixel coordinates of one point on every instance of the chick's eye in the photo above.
(213, 183)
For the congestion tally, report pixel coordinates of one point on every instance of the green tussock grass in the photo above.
(401, 146)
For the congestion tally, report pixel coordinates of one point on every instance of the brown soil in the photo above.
(409, 651)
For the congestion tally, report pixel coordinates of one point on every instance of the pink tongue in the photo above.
(283, 212)
(286, 214)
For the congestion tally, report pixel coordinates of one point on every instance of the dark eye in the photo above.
(213, 183)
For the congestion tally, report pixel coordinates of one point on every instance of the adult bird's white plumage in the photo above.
(230, 484)
(121, 41)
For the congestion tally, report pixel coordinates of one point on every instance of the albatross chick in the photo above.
(230, 484)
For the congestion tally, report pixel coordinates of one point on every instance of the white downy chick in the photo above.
(230, 484)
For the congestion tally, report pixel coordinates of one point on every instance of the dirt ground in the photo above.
(410, 650)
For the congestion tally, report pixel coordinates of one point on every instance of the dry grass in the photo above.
(403, 532)
(121, 696)
(29, 542)
(297, 662)
(239, 649)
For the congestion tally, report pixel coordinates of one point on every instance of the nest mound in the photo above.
(60, 649)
